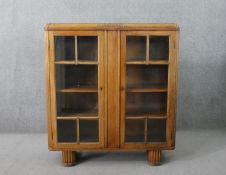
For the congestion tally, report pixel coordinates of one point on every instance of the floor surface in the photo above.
(197, 152)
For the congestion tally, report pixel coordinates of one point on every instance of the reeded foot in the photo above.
(154, 157)
(68, 158)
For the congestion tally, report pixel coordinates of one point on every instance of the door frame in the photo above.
(52, 90)
(171, 90)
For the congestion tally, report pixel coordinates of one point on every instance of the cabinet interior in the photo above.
(76, 75)
(159, 48)
(146, 88)
(76, 48)
(146, 80)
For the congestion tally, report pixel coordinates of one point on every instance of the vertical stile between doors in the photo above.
(113, 73)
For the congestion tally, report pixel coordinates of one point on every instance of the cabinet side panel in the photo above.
(113, 50)
(176, 53)
(53, 88)
(172, 90)
(48, 102)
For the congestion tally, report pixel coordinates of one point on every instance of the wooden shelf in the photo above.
(73, 62)
(146, 89)
(144, 117)
(88, 62)
(135, 62)
(73, 115)
(65, 62)
(137, 115)
(157, 117)
(159, 62)
(79, 89)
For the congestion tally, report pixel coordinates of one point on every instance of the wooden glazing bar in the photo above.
(76, 50)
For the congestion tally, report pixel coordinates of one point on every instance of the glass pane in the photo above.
(156, 130)
(87, 48)
(159, 48)
(66, 130)
(146, 76)
(64, 47)
(79, 104)
(89, 130)
(134, 130)
(71, 76)
(136, 48)
(145, 103)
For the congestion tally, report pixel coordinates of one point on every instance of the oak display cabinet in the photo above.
(111, 87)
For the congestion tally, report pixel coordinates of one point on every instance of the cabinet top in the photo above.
(111, 26)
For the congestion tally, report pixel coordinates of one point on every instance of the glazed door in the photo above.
(147, 82)
(77, 89)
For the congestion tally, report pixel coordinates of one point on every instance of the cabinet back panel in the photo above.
(77, 103)
(135, 48)
(146, 76)
(148, 103)
(69, 76)
(87, 48)
(135, 130)
(64, 47)
(89, 131)
(66, 131)
(156, 130)
(159, 48)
